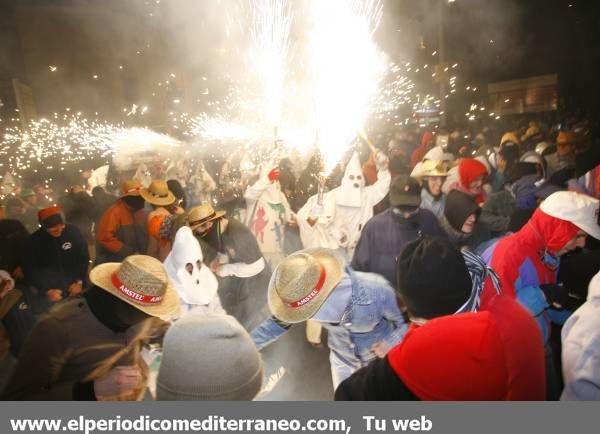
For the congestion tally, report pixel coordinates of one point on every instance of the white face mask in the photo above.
(353, 183)
(194, 281)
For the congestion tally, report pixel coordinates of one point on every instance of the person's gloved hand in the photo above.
(54, 295)
(381, 160)
(75, 288)
(556, 295)
(118, 383)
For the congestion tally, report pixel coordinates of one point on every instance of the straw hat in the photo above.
(141, 281)
(131, 187)
(302, 282)
(202, 214)
(158, 193)
(509, 137)
(434, 168)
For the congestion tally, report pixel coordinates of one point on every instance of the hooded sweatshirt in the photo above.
(581, 349)
(459, 206)
(469, 170)
(523, 263)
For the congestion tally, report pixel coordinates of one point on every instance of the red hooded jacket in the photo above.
(541, 233)
(496, 354)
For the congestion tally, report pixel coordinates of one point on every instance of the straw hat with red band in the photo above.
(302, 282)
(158, 193)
(131, 187)
(141, 281)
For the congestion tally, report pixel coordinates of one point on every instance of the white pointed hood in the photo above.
(199, 286)
(353, 184)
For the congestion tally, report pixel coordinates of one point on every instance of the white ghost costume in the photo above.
(195, 283)
(344, 212)
(143, 175)
(203, 186)
(268, 212)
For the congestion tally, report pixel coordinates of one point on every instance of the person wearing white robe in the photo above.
(338, 223)
(268, 212)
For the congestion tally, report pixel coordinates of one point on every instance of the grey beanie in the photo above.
(208, 357)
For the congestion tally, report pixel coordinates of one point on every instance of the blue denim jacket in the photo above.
(368, 314)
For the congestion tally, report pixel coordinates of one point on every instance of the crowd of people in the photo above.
(441, 266)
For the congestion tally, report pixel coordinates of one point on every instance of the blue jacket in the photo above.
(384, 235)
(361, 311)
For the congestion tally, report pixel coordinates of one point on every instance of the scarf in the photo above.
(479, 272)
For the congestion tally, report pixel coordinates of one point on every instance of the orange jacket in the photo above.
(120, 233)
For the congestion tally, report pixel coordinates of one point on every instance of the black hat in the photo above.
(432, 278)
(405, 191)
(459, 206)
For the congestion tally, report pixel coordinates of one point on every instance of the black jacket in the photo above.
(375, 382)
(55, 263)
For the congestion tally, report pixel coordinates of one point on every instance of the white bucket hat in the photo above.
(579, 209)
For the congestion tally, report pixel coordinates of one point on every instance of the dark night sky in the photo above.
(530, 37)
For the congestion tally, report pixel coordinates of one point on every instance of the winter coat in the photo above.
(16, 322)
(120, 233)
(495, 354)
(433, 204)
(524, 191)
(55, 263)
(383, 237)
(69, 348)
(581, 349)
(13, 235)
(522, 263)
(497, 211)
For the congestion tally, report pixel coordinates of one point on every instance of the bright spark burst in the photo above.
(348, 68)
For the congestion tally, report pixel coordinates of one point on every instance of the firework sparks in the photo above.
(348, 68)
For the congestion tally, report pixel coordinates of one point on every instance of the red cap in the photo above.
(43, 214)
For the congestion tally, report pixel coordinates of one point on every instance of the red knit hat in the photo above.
(51, 216)
(454, 358)
(469, 170)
